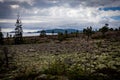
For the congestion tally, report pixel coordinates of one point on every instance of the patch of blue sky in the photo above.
(116, 17)
(110, 8)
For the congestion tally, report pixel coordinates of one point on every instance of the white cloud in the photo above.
(84, 14)
(110, 13)
(7, 21)
(7, 30)
(24, 21)
(1, 0)
(14, 6)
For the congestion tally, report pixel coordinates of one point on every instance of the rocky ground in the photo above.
(93, 54)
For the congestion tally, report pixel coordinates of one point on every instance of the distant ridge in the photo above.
(12, 32)
(55, 31)
(60, 30)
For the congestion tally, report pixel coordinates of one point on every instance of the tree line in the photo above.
(62, 36)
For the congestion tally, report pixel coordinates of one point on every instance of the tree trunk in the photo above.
(5, 49)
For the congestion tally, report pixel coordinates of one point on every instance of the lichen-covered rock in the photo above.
(42, 77)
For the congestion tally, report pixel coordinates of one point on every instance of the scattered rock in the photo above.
(42, 77)
(31, 50)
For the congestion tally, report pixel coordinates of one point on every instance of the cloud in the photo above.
(48, 14)
(14, 6)
(25, 21)
(1, 0)
(30, 2)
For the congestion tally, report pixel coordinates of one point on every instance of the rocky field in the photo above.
(72, 59)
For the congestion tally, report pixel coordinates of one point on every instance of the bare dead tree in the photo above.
(5, 50)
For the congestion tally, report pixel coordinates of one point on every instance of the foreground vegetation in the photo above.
(72, 59)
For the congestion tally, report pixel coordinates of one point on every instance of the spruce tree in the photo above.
(1, 38)
(18, 32)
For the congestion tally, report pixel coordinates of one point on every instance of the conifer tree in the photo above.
(88, 31)
(1, 37)
(104, 29)
(18, 32)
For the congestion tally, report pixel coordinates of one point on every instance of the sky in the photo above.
(59, 14)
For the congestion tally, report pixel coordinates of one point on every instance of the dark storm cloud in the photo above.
(7, 12)
(89, 3)
(43, 4)
(51, 3)
(94, 3)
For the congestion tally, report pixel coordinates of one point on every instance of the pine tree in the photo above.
(43, 33)
(1, 38)
(53, 32)
(66, 34)
(88, 31)
(104, 29)
(60, 36)
(18, 32)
